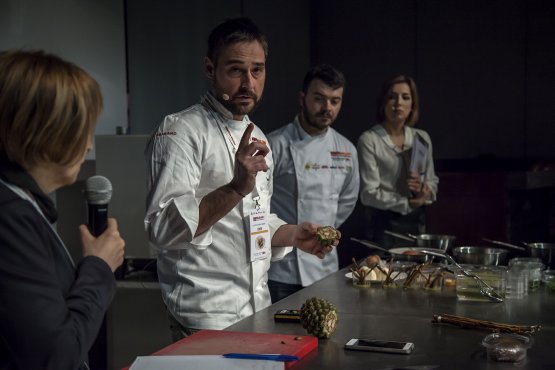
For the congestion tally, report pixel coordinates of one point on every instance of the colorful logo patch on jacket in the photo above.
(339, 161)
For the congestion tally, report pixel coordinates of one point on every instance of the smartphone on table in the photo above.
(287, 316)
(380, 346)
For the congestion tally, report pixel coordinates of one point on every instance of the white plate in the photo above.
(401, 276)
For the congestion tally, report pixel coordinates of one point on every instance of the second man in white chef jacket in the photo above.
(315, 177)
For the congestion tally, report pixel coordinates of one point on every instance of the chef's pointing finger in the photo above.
(245, 139)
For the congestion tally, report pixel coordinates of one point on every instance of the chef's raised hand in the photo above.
(305, 239)
(249, 160)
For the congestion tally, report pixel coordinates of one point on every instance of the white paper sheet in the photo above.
(202, 362)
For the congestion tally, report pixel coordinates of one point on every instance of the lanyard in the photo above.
(231, 139)
(22, 194)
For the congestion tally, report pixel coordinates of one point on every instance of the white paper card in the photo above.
(204, 362)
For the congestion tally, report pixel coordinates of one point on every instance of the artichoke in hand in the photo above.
(327, 235)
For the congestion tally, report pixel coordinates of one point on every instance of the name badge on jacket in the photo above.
(260, 234)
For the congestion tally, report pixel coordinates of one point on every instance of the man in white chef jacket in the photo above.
(315, 177)
(209, 182)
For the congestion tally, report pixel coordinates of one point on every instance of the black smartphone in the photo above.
(287, 316)
(380, 346)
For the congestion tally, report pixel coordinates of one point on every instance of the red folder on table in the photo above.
(218, 342)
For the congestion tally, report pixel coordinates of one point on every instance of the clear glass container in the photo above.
(534, 267)
(427, 276)
(548, 278)
(468, 289)
(516, 285)
(360, 277)
(507, 347)
(398, 272)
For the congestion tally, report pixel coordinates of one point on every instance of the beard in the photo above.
(237, 108)
(313, 119)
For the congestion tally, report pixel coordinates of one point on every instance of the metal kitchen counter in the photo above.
(406, 315)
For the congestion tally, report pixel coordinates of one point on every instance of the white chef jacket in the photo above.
(208, 281)
(316, 179)
(383, 171)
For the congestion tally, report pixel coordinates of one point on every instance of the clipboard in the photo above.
(419, 156)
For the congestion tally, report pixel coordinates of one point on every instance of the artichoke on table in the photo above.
(319, 317)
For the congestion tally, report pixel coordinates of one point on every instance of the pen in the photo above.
(255, 356)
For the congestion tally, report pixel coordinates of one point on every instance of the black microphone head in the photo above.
(98, 190)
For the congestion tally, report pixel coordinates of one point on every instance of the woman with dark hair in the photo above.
(51, 308)
(394, 196)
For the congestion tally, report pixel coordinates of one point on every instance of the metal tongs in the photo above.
(485, 288)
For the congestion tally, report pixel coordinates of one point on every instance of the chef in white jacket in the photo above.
(209, 182)
(316, 177)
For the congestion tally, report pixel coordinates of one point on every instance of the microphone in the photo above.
(98, 191)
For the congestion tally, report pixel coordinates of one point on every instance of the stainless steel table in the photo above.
(406, 315)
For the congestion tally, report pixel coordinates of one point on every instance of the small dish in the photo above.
(507, 347)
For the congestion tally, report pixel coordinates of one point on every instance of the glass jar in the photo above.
(534, 268)
(516, 284)
(548, 278)
(434, 275)
(426, 276)
(360, 277)
(398, 272)
(468, 289)
(507, 347)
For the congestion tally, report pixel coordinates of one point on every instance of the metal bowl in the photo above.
(435, 241)
(480, 255)
(412, 254)
(544, 251)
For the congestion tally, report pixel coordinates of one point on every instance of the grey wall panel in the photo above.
(137, 323)
(166, 45)
(88, 33)
(120, 159)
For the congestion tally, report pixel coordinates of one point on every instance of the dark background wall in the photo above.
(484, 68)
(166, 47)
(485, 71)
